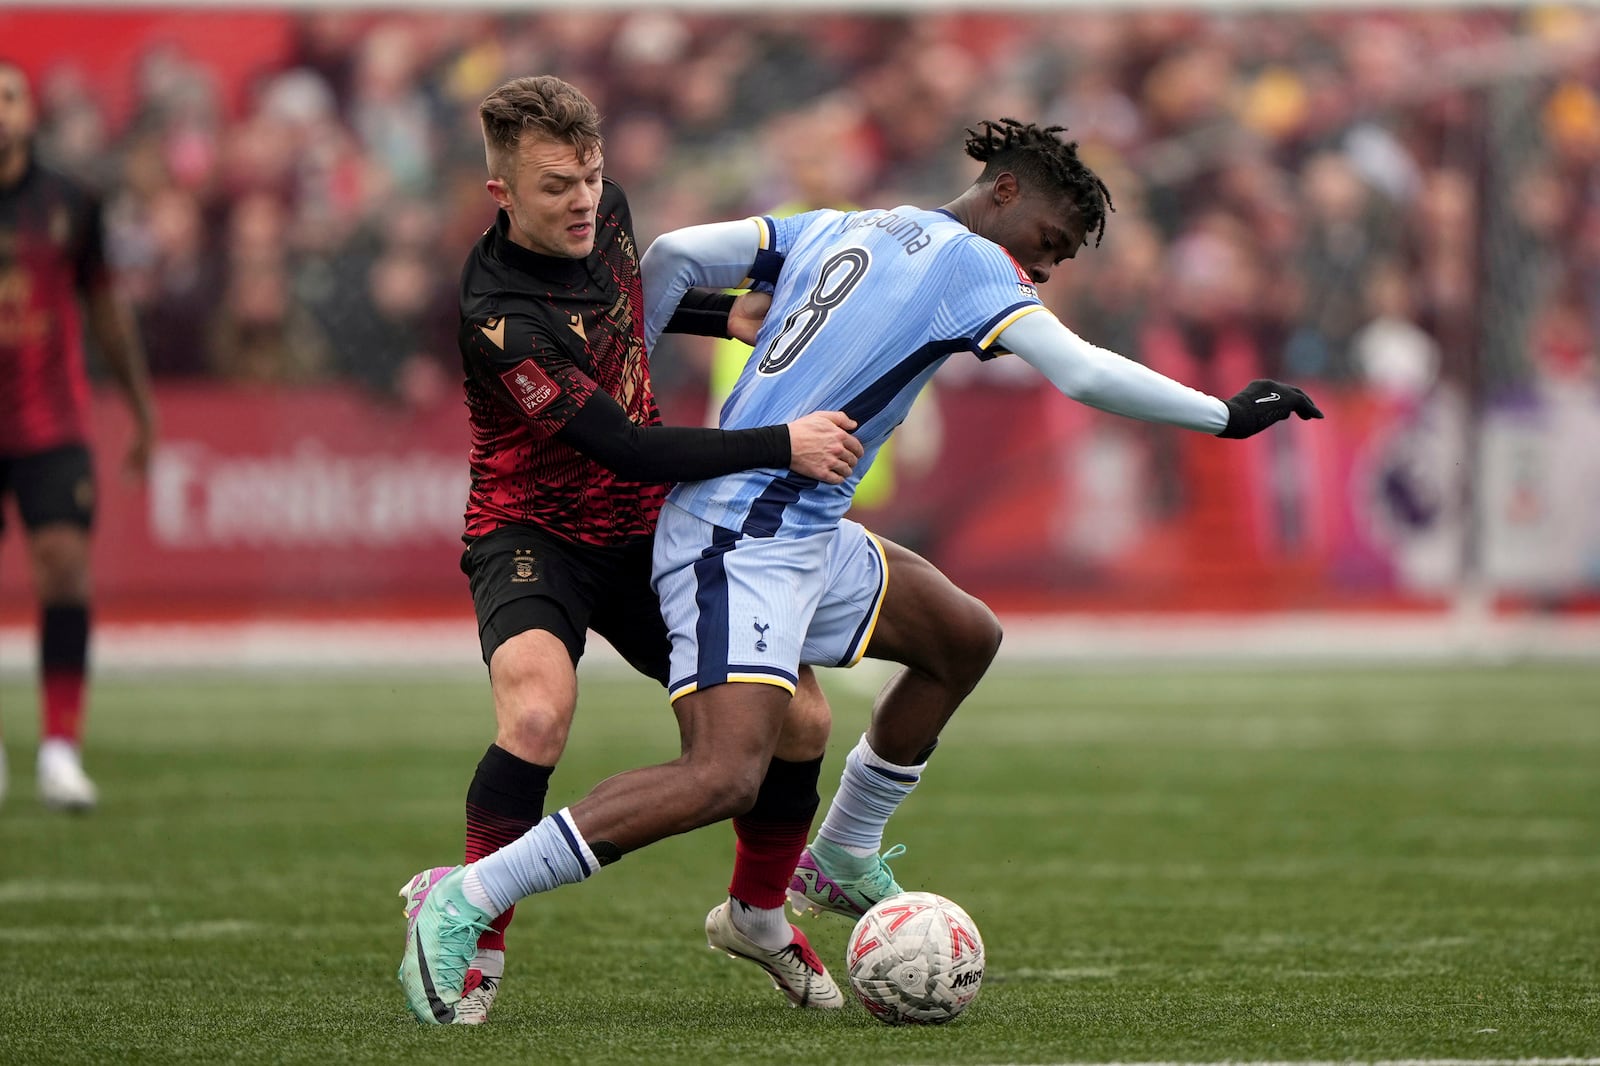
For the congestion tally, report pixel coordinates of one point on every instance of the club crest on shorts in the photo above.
(761, 636)
(524, 567)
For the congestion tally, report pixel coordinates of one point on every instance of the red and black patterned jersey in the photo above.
(52, 251)
(539, 335)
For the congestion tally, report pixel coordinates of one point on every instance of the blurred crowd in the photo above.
(1381, 201)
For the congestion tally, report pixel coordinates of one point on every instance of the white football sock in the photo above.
(489, 962)
(766, 926)
(551, 854)
(870, 790)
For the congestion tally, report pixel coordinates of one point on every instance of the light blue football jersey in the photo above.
(866, 306)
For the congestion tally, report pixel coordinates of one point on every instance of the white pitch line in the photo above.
(42, 891)
(65, 934)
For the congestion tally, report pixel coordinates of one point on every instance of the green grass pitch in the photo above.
(1187, 866)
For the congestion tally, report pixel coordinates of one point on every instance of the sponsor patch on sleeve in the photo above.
(1025, 284)
(530, 387)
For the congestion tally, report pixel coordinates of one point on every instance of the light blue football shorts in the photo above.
(741, 608)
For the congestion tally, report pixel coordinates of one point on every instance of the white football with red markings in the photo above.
(915, 959)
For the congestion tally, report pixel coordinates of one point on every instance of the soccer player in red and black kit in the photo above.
(51, 255)
(569, 464)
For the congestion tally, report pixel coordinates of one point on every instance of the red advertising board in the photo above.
(317, 499)
(329, 501)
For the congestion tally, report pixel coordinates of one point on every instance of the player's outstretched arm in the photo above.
(818, 446)
(1101, 378)
(719, 255)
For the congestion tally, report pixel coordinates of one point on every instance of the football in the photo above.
(915, 959)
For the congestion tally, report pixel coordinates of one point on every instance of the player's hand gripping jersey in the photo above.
(866, 306)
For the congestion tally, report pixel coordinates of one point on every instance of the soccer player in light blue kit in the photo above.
(760, 572)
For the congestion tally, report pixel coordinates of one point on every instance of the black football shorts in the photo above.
(523, 578)
(50, 486)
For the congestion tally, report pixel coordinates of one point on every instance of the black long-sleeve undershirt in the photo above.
(702, 313)
(602, 431)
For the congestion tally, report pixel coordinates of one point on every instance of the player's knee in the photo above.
(727, 791)
(987, 633)
(968, 642)
(974, 639)
(63, 586)
(805, 738)
(535, 731)
(806, 728)
(61, 568)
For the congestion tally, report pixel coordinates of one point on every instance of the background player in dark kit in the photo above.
(53, 282)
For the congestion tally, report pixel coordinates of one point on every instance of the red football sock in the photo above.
(63, 664)
(764, 858)
(63, 706)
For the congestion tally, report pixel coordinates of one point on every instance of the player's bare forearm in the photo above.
(111, 324)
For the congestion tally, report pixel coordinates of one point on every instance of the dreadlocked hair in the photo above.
(1036, 154)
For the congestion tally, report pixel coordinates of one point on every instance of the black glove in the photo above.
(1263, 402)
